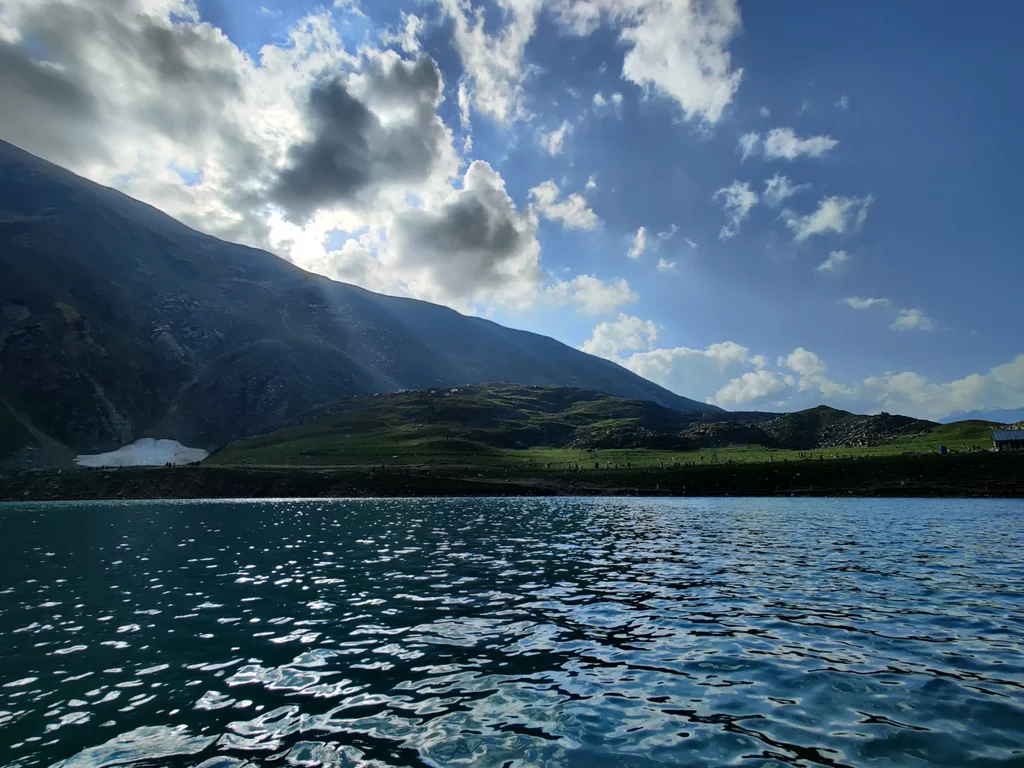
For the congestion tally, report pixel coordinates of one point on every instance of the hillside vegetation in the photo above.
(558, 427)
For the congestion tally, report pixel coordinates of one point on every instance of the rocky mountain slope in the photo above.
(117, 322)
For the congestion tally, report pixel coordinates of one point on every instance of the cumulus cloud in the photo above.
(783, 143)
(676, 50)
(835, 262)
(553, 141)
(843, 103)
(913, 320)
(765, 112)
(609, 339)
(351, 153)
(592, 295)
(572, 211)
(639, 245)
(494, 62)
(666, 266)
(911, 393)
(779, 188)
(474, 246)
(591, 184)
(749, 388)
(738, 199)
(692, 372)
(812, 371)
(841, 215)
(407, 38)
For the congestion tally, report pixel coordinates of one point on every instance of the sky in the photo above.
(765, 206)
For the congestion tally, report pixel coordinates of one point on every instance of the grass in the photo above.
(505, 427)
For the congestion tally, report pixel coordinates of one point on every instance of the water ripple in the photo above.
(512, 633)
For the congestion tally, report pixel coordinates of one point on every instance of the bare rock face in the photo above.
(117, 323)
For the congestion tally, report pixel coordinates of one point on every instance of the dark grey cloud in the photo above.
(42, 105)
(352, 153)
(59, 92)
(478, 240)
(401, 82)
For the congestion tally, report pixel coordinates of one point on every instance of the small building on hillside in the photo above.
(1008, 440)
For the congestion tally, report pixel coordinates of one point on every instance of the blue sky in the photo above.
(884, 281)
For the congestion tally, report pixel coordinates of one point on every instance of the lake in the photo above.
(510, 632)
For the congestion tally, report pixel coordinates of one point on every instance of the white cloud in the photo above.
(572, 211)
(664, 237)
(804, 362)
(408, 38)
(785, 144)
(675, 49)
(692, 372)
(834, 263)
(906, 319)
(610, 339)
(639, 244)
(749, 388)
(843, 103)
(494, 62)
(495, 261)
(738, 199)
(591, 184)
(601, 102)
(592, 295)
(553, 141)
(778, 188)
(690, 243)
(465, 104)
(910, 393)
(812, 372)
(841, 215)
(856, 302)
(666, 266)
(748, 144)
(913, 320)
(765, 112)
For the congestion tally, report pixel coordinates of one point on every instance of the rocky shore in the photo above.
(966, 475)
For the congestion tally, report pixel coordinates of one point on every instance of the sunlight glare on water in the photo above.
(512, 633)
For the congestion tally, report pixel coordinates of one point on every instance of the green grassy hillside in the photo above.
(556, 428)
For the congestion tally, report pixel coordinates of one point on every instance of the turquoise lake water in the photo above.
(635, 633)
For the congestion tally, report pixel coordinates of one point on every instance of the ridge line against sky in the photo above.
(701, 191)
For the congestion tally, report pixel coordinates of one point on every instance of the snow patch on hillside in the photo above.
(146, 452)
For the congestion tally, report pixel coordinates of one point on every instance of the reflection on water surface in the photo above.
(512, 633)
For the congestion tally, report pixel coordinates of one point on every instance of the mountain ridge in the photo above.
(118, 322)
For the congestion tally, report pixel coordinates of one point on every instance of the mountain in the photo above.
(1000, 417)
(118, 322)
(506, 422)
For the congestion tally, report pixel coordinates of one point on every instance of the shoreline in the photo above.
(924, 476)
